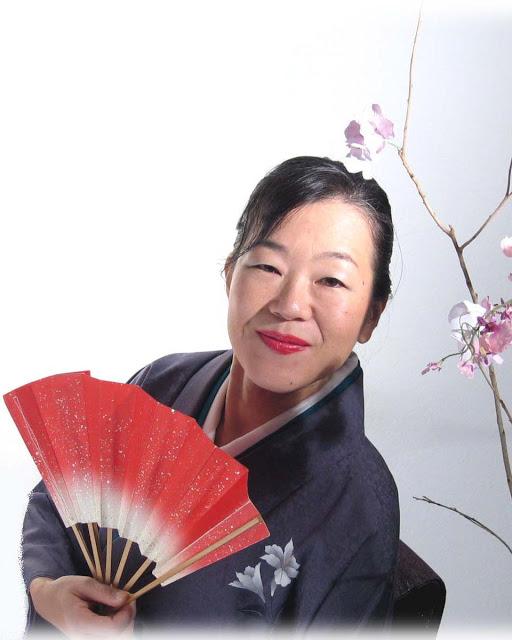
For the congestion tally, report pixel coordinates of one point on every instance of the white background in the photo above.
(131, 137)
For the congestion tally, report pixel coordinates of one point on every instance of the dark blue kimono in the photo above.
(317, 481)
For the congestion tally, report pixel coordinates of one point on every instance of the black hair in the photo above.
(306, 179)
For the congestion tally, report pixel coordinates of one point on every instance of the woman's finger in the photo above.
(91, 589)
(124, 617)
(90, 624)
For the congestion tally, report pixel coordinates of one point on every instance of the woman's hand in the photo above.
(66, 603)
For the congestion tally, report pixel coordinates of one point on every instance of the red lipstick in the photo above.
(283, 343)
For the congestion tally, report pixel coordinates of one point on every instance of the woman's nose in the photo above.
(292, 301)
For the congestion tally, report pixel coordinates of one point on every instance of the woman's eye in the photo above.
(332, 282)
(266, 267)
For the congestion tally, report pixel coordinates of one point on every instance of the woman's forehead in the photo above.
(327, 228)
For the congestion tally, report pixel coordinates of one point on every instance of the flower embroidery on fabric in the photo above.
(250, 579)
(285, 565)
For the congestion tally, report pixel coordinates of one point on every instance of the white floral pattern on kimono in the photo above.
(285, 565)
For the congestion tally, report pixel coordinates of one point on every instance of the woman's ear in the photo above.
(371, 320)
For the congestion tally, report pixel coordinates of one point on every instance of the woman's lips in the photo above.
(282, 343)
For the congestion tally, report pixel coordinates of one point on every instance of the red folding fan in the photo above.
(112, 456)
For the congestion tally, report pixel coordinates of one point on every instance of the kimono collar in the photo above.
(214, 406)
(301, 450)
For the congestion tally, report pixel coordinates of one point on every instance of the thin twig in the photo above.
(470, 518)
(507, 192)
(463, 265)
(506, 410)
(411, 65)
(502, 402)
(504, 201)
(435, 217)
(501, 429)
(401, 152)
(493, 383)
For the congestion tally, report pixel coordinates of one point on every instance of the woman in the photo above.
(308, 277)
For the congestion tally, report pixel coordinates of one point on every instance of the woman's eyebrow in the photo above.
(276, 246)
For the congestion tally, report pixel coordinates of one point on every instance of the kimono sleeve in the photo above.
(46, 549)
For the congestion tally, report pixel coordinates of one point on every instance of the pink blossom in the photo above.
(510, 277)
(506, 246)
(506, 314)
(355, 142)
(367, 136)
(496, 338)
(467, 368)
(431, 366)
(463, 318)
(486, 303)
(382, 125)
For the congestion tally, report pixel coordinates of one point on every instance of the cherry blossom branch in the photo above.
(493, 383)
(401, 151)
(501, 429)
(403, 157)
(488, 381)
(411, 66)
(502, 404)
(506, 410)
(470, 518)
(450, 231)
(506, 198)
(459, 250)
(499, 419)
(366, 138)
(422, 194)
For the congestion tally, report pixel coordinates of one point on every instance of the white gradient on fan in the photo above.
(156, 539)
(82, 497)
(158, 542)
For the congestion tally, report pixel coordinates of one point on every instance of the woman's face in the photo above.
(311, 281)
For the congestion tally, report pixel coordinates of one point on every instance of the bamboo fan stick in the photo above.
(197, 556)
(95, 553)
(137, 575)
(108, 558)
(84, 549)
(122, 562)
(98, 545)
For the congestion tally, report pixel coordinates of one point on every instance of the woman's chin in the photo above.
(281, 374)
(276, 381)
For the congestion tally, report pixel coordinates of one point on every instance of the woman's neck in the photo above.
(248, 406)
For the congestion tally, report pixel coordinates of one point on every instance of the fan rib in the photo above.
(137, 574)
(108, 559)
(168, 574)
(95, 553)
(122, 563)
(84, 549)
